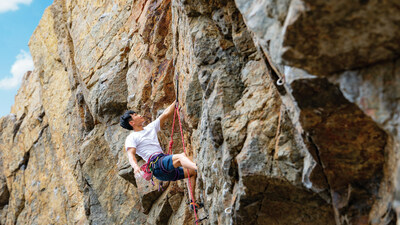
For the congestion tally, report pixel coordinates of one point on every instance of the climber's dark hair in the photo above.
(125, 119)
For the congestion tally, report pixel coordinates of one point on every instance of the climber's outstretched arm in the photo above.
(167, 113)
(132, 159)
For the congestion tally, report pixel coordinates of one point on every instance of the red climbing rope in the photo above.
(184, 150)
(176, 112)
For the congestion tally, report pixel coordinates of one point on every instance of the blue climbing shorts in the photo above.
(164, 170)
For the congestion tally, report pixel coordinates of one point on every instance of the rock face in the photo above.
(321, 149)
(347, 119)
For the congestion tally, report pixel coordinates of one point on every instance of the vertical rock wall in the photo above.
(342, 97)
(318, 150)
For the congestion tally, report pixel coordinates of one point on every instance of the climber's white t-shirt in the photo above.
(145, 141)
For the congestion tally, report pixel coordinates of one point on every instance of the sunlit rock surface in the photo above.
(321, 149)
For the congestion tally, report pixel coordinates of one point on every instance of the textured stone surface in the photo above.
(347, 143)
(324, 37)
(330, 36)
(314, 151)
(354, 113)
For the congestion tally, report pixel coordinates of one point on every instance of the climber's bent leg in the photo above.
(164, 170)
(193, 175)
(183, 161)
(180, 160)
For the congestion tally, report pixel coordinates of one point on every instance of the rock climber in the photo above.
(143, 141)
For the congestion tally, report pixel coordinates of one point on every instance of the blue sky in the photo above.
(18, 20)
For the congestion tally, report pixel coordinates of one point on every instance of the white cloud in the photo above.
(23, 63)
(12, 5)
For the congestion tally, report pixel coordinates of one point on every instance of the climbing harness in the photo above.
(148, 168)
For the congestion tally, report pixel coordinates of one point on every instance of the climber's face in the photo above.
(137, 120)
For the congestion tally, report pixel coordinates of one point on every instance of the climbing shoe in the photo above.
(197, 205)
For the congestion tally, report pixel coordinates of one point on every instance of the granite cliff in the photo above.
(323, 148)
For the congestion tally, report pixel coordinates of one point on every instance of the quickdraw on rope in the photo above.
(176, 112)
